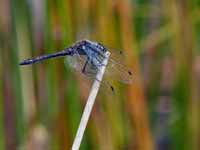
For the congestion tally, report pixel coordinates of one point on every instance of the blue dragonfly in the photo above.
(86, 57)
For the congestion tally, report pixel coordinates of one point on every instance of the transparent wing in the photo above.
(118, 70)
(115, 70)
(77, 62)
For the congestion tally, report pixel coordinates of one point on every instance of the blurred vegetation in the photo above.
(41, 105)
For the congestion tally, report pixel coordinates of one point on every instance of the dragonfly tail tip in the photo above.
(24, 63)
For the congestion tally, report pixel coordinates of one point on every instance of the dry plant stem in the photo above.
(89, 104)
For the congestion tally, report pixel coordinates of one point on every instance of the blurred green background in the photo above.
(41, 105)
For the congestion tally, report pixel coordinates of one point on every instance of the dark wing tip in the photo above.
(129, 72)
(112, 88)
(22, 63)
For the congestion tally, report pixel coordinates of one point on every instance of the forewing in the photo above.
(77, 62)
(117, 69)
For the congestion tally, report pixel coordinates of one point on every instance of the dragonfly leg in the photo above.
(84, 67)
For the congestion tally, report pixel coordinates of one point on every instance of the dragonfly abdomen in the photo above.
(65, 52)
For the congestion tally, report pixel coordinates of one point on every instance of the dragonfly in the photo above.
(86, 57)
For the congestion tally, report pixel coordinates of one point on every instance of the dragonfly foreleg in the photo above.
(84, 67)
